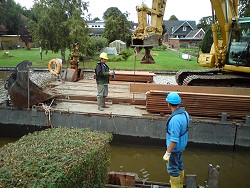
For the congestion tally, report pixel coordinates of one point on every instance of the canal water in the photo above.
(147, 161)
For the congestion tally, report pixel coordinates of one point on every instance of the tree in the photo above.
(205, 23)
(25, 36)
(57, 24)
(113, 18)
(10, 16)
(173, 17)
(96, 45)
(96, 19)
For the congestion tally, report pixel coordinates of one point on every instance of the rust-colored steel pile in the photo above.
(131, 76)
(200, 104)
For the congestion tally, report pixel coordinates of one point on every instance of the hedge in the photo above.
(58, 157)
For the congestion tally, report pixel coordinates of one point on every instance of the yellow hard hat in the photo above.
(103, 55)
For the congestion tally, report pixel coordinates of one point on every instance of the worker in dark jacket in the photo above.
(102, 79)
(176, 140)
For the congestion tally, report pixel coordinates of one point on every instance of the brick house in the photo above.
(182, 32)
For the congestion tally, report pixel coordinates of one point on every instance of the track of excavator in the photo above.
(213, 77)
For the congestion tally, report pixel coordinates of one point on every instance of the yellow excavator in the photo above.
(147, 35)
(229, 57)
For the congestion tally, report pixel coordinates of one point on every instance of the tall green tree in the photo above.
(57, 24)
(117, 27)
(10, 16)
(205, 23)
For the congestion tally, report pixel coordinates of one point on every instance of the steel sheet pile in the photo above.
(131, 76)
(200, 104)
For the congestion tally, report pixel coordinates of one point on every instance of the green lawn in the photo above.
(33, 55)
(164, 60)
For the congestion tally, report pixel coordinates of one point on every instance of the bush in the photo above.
(6, 55)
(126, 53)
(95, 45)
(115, 58)
(160, 48)
(59, 157)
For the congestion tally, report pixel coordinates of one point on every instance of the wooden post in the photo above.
(213, 175)
(191, 181)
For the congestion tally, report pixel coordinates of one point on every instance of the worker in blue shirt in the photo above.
(176, 139)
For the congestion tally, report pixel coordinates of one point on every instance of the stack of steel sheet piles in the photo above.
(201, 104)
(134, 76)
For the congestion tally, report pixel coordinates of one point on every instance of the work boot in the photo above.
(182, 175)
(103, 103)
(99, 103)
(175, 182)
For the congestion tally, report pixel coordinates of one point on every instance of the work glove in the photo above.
(166, 156)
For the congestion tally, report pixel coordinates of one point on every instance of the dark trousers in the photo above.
(175, 164)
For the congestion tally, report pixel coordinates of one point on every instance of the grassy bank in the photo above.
(165, 60)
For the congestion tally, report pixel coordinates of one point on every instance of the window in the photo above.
(184, 28)
(172, 29)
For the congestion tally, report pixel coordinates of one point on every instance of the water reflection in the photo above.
(234, 166)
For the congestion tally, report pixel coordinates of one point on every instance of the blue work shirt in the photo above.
(177, 125)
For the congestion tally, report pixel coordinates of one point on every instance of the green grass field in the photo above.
(167, 60)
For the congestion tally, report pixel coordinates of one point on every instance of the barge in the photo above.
(74, 105)
(219, 116)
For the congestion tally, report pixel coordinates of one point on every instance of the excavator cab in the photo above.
(239, 47)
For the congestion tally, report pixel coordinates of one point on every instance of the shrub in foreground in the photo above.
(59, 157)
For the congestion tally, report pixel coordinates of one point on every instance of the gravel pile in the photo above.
(41, 78)
(165, 79)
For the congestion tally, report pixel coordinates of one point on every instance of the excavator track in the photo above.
(183, 74)
(214, 78)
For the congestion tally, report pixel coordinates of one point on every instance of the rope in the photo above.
(135, 54)
(47, 111)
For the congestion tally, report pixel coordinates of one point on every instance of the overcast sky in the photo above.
(182, 9)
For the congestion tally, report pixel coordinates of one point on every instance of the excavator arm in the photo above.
(225, 12)
(229, 54)
(149, 35)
